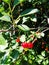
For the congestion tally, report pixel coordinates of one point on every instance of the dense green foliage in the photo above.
(24, 32)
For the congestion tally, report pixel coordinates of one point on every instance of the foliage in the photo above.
(24, 32)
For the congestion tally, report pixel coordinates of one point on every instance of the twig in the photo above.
(13, 8)
(17, 30)
(34, 40)
(7, 30)
(42, 22)
(45, 30)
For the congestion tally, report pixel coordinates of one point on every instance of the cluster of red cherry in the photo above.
(25, 44)
(30, 44)
(46, 49)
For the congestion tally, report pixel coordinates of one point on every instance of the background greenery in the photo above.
(24, 17)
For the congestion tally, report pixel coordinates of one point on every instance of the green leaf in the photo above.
(13, 41)
(32, 51)
(15, 45)
(25, 19)
(1, 9)
(20, 49)
(5, 18)
(25, 58)
(38, 60)
(34, 19)
(2, 40)
(30, 61)
(23, 27)
(7, 1)
(45, 62)
(18, 62)
(43, 53)
(16, 2)
(41, 57)
(2, 54)
(14, 54)
(31, 57)
(23, 38)
(6, 59)
(28, 12)
(3, 43)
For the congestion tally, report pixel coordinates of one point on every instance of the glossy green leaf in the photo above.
(7, 1)
(43, 53)
(23, 27)
(6, 60)
(25, 58)
(23, 38)
(5, 18)
(16, 2)
(20, 49)
(3, 43)
(28, 12)
(45, 62)
(1, 9)
(38, 60)
(32, 51)
(18, 62)
(41, 57)
(14, 54)
(25, 19)
(2, 40)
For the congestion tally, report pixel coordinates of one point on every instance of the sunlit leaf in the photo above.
(2, 40)
(25, 19)
(38, 60)
(1, 9)
(28, 12)
(23, 38)
(3, 43)
(5, 18)
(40, 56)
(20, 49)
(34, 19)
(43, 53)
(7, 1)
(23, 27)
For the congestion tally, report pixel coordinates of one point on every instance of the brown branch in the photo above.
(34, 40)
(33, 28)
(45, 30)
(7, 30)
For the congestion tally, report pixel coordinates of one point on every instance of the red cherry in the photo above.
(46, 49)
(24, 45)
(18, 40)
(27, 45)
(30, 45)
